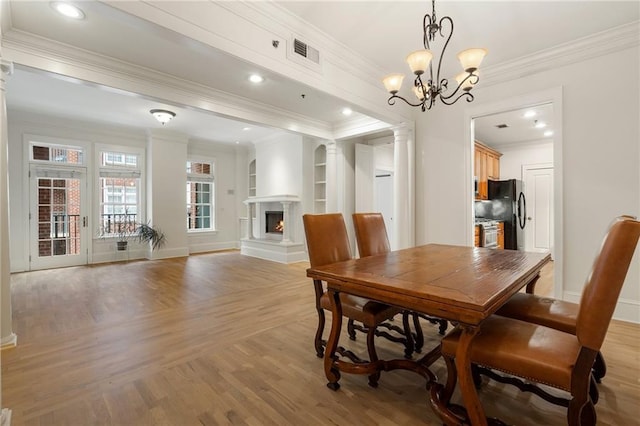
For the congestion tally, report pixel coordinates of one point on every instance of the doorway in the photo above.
(58, 221)
(519, 104)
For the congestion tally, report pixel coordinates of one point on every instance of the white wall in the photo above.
(514, 157)
(601, 159)
(279, 165)
(21, 123)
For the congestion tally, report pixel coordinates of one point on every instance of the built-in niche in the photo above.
(320, 179)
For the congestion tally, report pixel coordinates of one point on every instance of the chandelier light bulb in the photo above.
(393, 83)
(467, 84)
(419, 61)
(471, 58)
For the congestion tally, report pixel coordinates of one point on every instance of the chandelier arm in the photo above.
(469, 77)
(446, 43)
(467, 95)
(392, 98)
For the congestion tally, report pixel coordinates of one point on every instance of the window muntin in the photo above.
(200, 196)
(57, 154)
(119, 184)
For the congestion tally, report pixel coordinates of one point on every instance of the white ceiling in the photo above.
(520, 128)
(382, 31)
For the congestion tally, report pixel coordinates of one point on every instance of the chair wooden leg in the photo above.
(408, 343)
(419, 337)
(443, 327)
(373, 356)
(581, 410)
(351, 330)
(318, 340)
(599, 367)
(594, 394)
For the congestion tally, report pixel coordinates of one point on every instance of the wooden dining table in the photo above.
(464, 285)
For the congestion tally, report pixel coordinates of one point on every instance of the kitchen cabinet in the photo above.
(500, 237)
(486, 167)
(476, 239)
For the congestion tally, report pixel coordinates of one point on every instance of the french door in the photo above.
(57, 217)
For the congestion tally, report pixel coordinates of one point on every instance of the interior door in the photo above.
(384, 200)
(57, 217)
(538, 190)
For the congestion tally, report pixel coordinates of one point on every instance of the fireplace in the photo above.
(274, 222)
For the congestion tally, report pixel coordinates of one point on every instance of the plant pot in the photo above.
(121, 245)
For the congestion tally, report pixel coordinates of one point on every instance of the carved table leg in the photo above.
(465, 377)
(330, 370)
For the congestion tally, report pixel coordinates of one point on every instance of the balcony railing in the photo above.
(118, 223)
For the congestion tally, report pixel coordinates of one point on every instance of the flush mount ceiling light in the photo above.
(67, 9)
(255, 78)
(431, 89)
(162, 115)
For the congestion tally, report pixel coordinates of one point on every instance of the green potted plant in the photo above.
(131, 230)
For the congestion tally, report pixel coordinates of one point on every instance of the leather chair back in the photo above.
(371, 234)
(601, 292)
(327, 238)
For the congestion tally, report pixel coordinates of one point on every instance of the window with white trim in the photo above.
(120, 186)
(200, 196)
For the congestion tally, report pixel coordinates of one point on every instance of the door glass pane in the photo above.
(58, 217)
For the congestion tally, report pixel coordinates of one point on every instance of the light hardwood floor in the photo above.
(226, 339)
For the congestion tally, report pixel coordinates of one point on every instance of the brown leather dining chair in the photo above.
(372, 239)
(546, 355)
(328, 242)
(553, 313)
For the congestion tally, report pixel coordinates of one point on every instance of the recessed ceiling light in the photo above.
(237, 142)
(548, 133)
(255, 78)
(529, 114)
(67, 9)
(346, 111)
(540, 124)
(246, 129)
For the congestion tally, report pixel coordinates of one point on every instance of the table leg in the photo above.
(465, 377)
(330, 369)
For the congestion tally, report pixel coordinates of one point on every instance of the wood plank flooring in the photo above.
(224, 339)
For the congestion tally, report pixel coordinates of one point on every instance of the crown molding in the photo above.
(594, 45)
(41, 53)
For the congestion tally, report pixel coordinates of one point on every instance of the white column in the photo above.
(249, 221)
(331, 178)
(7, 337)
(402, 214)
(286, 218)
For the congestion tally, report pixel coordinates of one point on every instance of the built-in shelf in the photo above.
(320, 179)
(252, 178)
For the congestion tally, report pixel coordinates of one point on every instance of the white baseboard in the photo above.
(206, 247)
(10, 341)
(626, 309)
(274, 251)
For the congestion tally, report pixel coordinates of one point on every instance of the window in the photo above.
(119, 185)
(200, 195)
(56, 153)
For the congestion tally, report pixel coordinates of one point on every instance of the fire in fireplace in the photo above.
(274, 222)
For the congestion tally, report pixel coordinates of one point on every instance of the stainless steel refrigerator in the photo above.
(509, 205)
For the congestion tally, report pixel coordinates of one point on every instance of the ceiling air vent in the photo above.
(303, 49)
(502, 126)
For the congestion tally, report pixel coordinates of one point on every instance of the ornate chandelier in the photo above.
(428, 91)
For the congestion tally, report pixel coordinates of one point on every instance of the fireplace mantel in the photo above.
(290, 247)
(273, 199)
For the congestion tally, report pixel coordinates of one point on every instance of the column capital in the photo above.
(332, 147)
(6, 67)
(402, 132)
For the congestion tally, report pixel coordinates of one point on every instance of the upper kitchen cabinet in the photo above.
(486, 166)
